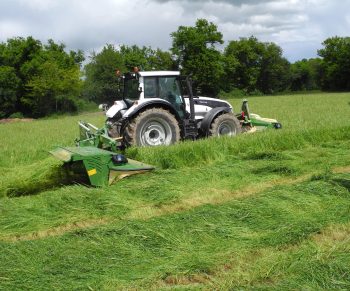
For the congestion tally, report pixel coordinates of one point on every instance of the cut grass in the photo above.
(166, 191)
(263, 211)
(196, 242)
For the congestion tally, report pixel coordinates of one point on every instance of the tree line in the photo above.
(39, 79)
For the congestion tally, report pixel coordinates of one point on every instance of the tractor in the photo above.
(159, 108)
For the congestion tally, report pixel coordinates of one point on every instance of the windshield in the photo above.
(131, 89)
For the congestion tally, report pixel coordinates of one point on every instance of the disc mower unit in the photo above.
(262, 123)
(254, 122)
(101, 166)
(90, 135)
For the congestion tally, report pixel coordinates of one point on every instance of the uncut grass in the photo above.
(216, 150)
(23, 143)
(196, 242)
(302, 111)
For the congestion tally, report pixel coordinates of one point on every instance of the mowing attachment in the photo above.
(101, 166)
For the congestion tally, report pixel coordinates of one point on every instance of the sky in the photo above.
(298, 26)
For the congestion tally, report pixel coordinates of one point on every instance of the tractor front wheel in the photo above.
(152, 127)
(225, 124)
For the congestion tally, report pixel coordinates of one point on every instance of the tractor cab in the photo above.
(146, 86)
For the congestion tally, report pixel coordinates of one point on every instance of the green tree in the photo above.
(101, 83)
(17, 53)
(161, 60)
(251, 65)
(243, 60)
(196, 54)
(9, 83)
(336, 63)
(306, 74)
(53, 89)
(146, 58)
(274, 71)
(28, 60)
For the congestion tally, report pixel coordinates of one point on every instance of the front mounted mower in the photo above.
(95, 157)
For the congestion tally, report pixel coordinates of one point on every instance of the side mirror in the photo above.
(103, 107)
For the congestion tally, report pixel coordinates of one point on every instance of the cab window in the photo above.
(167, 88)
(150, 87)
(131, 89)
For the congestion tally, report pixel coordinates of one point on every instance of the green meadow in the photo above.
(262, 211)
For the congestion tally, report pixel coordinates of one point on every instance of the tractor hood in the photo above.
(117, 106)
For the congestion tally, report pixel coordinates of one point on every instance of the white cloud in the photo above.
(299, 26)
(10, 28)
(41, 5)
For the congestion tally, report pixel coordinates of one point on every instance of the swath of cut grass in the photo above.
(213, 196)
(45, 174)
(192, 244)
(165, 192)
(37, 177)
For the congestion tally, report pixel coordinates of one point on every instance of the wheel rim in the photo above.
(155, 132)
(226, 128)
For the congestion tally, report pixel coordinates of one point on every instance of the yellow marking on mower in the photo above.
(92, 172)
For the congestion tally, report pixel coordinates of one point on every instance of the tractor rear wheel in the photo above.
(152, 127)
(225, 124)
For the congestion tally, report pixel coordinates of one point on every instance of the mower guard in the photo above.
(254, 122)
(98, 164)
(262, 123)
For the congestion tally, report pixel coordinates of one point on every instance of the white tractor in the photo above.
(159, 108)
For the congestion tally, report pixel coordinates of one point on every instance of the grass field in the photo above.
(261, 211)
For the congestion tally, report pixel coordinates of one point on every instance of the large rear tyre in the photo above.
(112, 128)
(152, 127)
(225, 124)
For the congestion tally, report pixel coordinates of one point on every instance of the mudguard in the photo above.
(210, 116)
(154, 103)
(115, 108)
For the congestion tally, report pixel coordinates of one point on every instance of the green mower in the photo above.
(92, 157)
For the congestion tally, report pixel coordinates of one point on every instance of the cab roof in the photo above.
(159, 73)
